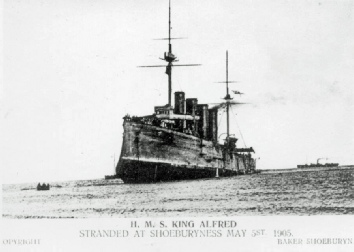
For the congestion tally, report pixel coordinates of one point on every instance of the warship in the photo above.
(181, 142)
(318, 164)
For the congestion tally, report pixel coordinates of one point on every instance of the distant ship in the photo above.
(318, 164)
(181, 141)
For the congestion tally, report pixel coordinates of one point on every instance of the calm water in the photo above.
(290, 193)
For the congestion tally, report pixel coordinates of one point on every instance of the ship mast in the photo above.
(228, 102)
(170, 58)
(227, 98)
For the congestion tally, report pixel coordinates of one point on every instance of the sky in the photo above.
(70, 74)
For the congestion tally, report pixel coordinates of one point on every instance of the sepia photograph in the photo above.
(181, 118)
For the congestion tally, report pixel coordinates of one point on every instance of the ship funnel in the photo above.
(179, 103)
(213, 125)
(203, 123)
(191, 106)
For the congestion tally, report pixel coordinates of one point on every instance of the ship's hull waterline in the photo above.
(152, 154)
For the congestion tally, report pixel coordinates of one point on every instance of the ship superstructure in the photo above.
(181, 141)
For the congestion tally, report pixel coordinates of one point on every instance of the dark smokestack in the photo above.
(191, 106)
(203, 123)
(213, 124)
(179, 103)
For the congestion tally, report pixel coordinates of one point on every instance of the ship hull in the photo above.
(150, 172)
(153, 154)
